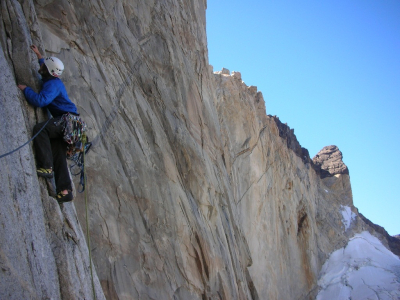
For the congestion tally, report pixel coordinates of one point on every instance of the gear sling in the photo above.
(76, 138)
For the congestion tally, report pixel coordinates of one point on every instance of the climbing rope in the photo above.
(84, 138)
(107, 123)
(79, 160)
(15, 150)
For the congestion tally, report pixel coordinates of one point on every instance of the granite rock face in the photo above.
(43, 253)
(194, 192)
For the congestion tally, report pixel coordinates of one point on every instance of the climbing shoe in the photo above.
(61, 198)
(46, 173)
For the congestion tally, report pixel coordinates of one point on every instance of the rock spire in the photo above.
(329, 160)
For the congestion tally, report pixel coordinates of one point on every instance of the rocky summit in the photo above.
(193, 191)
(329, 160)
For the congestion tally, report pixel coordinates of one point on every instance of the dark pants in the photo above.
(51, 152)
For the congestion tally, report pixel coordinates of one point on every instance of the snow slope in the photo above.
(348, 216)
(364, 269)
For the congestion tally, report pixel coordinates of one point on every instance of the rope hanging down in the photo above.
(79, 159)
(79, 162)
(83, 177)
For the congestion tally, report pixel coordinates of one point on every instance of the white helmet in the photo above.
(54, 65)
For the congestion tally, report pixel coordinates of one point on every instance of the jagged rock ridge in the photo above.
(194, 192)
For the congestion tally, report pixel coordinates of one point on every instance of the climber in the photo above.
(50, 144)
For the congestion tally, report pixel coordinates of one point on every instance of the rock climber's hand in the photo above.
(21, 87)
(36, 50)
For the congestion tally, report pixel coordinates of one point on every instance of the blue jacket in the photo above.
(53, 96)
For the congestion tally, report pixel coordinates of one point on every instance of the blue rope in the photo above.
(15, 150)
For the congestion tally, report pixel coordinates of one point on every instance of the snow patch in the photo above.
(364, 269)
(348, 216)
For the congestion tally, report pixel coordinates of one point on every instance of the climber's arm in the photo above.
(48, 93)
(37, 52)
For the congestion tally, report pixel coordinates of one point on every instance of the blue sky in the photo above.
(331, 71)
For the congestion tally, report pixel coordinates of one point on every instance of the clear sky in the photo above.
(331, 71)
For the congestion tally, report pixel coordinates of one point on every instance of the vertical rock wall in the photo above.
(194, 192)
(43, 253)
(291, 208)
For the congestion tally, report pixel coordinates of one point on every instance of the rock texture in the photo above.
(43, 253)
(287, 203)
(329, 160)
(194, 192)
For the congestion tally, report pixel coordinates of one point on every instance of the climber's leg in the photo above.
(61, 173)
(42, 143)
